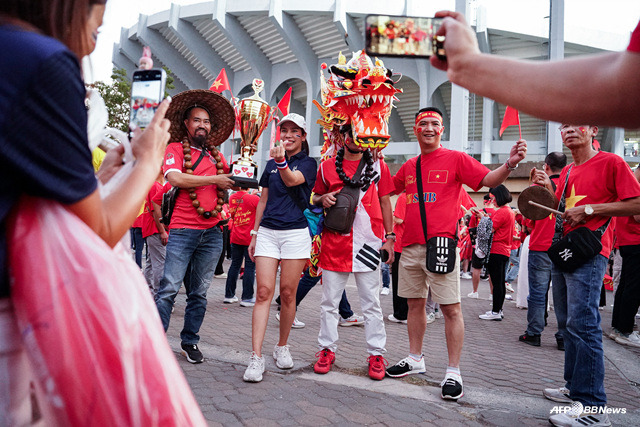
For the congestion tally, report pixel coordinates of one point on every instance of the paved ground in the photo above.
(503, 378)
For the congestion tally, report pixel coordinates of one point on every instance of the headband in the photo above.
(429, 114)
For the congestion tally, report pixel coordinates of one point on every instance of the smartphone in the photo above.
(147, 91)
(384, 255)
(403, 36)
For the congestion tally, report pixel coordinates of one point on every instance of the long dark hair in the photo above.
(64, 20)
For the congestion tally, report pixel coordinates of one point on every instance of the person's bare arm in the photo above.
(602, 88)
(289, 177)
(156, 214)
(625, 207)
(387, 220)
(499, 175)
(185, 180)
(112, 216)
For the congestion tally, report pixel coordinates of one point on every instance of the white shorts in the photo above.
(283, 244)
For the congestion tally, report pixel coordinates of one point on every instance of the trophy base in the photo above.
(241, 181)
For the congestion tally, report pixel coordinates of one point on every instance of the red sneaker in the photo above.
(326, 358)
(376, 367)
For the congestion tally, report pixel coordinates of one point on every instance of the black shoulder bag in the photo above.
(578, 246)
(441, 251)
(339, 217)
(169, 198)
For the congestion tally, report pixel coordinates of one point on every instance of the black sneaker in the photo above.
(451, 387)
(533, 340)
(560, 343)
(192, 353)
(406, 366)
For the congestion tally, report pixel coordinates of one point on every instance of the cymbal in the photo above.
(539, 195)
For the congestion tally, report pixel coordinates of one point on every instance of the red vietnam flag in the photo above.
(511, 118)
(221, 83)
(285, 103)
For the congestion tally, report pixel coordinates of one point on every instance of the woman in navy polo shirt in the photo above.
(281, 239)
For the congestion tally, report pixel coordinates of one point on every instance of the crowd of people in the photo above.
(270, 233)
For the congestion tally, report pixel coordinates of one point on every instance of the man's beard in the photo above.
(199, 141)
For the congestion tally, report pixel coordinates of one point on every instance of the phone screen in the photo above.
(147, 91)
(402, 36)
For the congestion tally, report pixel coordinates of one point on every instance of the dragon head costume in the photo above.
(361, 93)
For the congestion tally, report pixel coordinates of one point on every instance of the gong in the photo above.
(536, 203)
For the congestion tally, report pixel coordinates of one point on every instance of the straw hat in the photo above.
(221, 113)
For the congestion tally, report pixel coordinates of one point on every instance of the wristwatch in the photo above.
(588, 209)
(253, 233)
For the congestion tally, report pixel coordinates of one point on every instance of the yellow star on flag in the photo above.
(216, 84)
(573, 199)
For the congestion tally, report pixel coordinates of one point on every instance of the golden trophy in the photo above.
(255, 114)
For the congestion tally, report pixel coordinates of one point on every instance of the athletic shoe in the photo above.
(230, 300)
(509, 288)
(384, 291)
(376, 367)
(632, 339)
(192, 353)
(406, 366)
(438, 314)
(282, 356)
(557, 394)
(431, 317)
(533, 340)
(560, 343)
(490, 315)
(354, 320)
(465, 275)
(220, 276)
(248, 302)
(392, 318)
(254, 371)
(451, 387)
(577, 417)
(296, 323)
(485, 278)
(326, 358)
(614, 334)
(508, 297)
(473, 295)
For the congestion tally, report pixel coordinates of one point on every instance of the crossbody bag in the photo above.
(339, 217)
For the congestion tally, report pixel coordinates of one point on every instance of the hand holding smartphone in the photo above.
(147, 92)
(403, 36)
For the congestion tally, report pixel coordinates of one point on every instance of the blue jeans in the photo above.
(137, 244)
(539, 277)
(512, 270)
(576, 299)
(386, 277)
(238, 253)
(191, 256)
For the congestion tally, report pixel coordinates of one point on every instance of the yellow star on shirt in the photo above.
(573, 199)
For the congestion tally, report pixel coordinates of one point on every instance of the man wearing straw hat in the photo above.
(200, 121)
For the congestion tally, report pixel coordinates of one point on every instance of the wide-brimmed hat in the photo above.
(221, 113)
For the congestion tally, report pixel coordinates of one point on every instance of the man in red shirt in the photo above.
(194, 165)
(596, 186)
(443, 173)
(242, 211)
(155, 235)
(358, 252)
(539, 264)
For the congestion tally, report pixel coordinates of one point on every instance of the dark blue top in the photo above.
(43, 126)
(281, 212)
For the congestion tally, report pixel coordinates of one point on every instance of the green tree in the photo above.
(117, 95)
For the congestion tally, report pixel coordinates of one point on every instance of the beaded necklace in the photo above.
(365, 177)
(186, 149)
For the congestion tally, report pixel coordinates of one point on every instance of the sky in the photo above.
(604, 24)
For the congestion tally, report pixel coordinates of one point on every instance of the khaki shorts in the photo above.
(415, 280)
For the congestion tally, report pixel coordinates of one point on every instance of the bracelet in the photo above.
(509, 168)
(253, 233)
(281, 165)
(391, 235)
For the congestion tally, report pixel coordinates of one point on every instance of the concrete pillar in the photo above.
(556, 52)
(487, 130)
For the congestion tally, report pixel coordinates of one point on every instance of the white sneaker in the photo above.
(296, 323)
(406, 366)
(490, 315)
(282, 356)
(614, 334)
(473, 295)
(254, 371)
(248, 302)
(557, 394)
(431, 317)
(220, 276)
(392, 318)
(384, 291)
(508, 297)
(438, 314)
(230, 300)
(633, 339)
(465, 275)
(509, 288)
(578, 418)
(354, 320)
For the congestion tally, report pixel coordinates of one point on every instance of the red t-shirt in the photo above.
(399, 212)
(542, 230)
(503, 222)
(634, 43)
(242, 209)
(347, 252)
(184, 214)
(139, 219)
(443, 173)
(149, 226)
(604, 178)
(627, 231)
